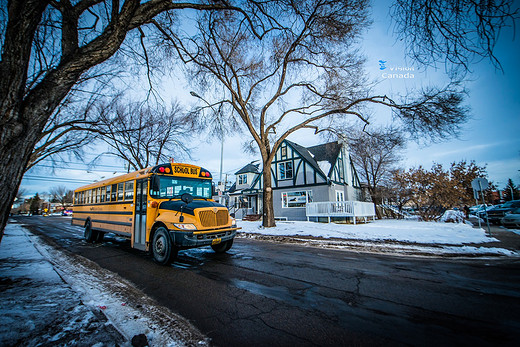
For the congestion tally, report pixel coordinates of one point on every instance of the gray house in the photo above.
(300, 175)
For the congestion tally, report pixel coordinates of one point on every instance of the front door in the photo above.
(140, 214)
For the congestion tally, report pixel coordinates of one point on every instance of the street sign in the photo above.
(480, 184)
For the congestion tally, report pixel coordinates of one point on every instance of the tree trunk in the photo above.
(15, 150)
(268, 215)
(377, 199)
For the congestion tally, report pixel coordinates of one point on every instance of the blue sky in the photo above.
(491, 137)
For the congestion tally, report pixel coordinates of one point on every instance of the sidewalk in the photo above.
(47, 298)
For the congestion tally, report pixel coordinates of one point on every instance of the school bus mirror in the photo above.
(187, 198)
(155, 183)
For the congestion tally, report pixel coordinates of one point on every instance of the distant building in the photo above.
(322, 173)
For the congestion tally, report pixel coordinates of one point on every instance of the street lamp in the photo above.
(221, 133)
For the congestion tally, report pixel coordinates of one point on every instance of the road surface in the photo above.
(263, 293)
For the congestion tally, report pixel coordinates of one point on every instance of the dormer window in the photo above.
(283, 151)
(242, 179)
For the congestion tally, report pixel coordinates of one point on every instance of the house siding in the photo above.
(307, 175)
(319, 193)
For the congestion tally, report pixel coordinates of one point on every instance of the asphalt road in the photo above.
(263, 293)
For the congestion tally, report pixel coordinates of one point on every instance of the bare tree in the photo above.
(305, 73)
(67, 131)
(143, 134)
(48, 47)
(376, 155)
(61, 195)
(456, 33)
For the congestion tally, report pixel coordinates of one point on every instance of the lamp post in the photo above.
(221, 134)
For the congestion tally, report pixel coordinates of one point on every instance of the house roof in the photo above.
(318, 156)
(248, 168)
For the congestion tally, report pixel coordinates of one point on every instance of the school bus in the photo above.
(161, 209)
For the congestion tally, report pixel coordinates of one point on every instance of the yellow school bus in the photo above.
(161, 209)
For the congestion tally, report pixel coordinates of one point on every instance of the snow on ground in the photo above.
(47, 296)
(429, 237)
(395, 230)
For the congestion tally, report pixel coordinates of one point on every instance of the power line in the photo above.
(81, 169)
(56, 179)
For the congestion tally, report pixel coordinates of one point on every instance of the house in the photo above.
(300, 175)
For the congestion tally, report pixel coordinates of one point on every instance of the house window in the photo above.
(242, 179)
(286, 170)
(340, 195)
(296, 199)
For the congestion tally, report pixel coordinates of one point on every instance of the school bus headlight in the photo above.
(233, 222)
(185, 226)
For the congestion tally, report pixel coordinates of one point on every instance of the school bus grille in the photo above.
(210, 219)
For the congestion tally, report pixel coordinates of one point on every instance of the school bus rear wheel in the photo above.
(90, 234)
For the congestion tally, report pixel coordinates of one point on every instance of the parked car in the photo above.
(477, 208)
(482, 212)
(512, 219)
(495, 215)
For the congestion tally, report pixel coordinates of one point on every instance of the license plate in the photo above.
(216, 241)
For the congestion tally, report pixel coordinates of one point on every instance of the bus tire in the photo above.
(223, 247)
(90, 234)
(163, 251)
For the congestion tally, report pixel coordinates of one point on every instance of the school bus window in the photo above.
(98, 195)
(114, 193)
(102, 194)
(82, 197)
(108, 193)
(87, 200)
(129, 190)
(120, 193)
(174, 187)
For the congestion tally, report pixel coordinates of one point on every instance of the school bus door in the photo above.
(140, 214)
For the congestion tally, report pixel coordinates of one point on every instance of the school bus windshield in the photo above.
(174, 187)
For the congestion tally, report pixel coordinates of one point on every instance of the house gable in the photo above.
(246, 176)
(295, 166)
(298, 166)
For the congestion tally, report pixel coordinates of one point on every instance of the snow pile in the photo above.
(383, 230)
(453, 216)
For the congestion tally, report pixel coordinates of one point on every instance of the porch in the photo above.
(352, 209)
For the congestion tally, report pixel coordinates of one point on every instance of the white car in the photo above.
(512, 220)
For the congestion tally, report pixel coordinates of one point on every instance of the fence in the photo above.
(353, 209)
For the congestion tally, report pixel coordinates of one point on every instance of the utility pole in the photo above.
(219, 118)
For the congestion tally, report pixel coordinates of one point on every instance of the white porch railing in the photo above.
(330, 209)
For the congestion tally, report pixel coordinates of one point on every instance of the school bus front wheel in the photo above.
(222, 247)
(163, 250)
